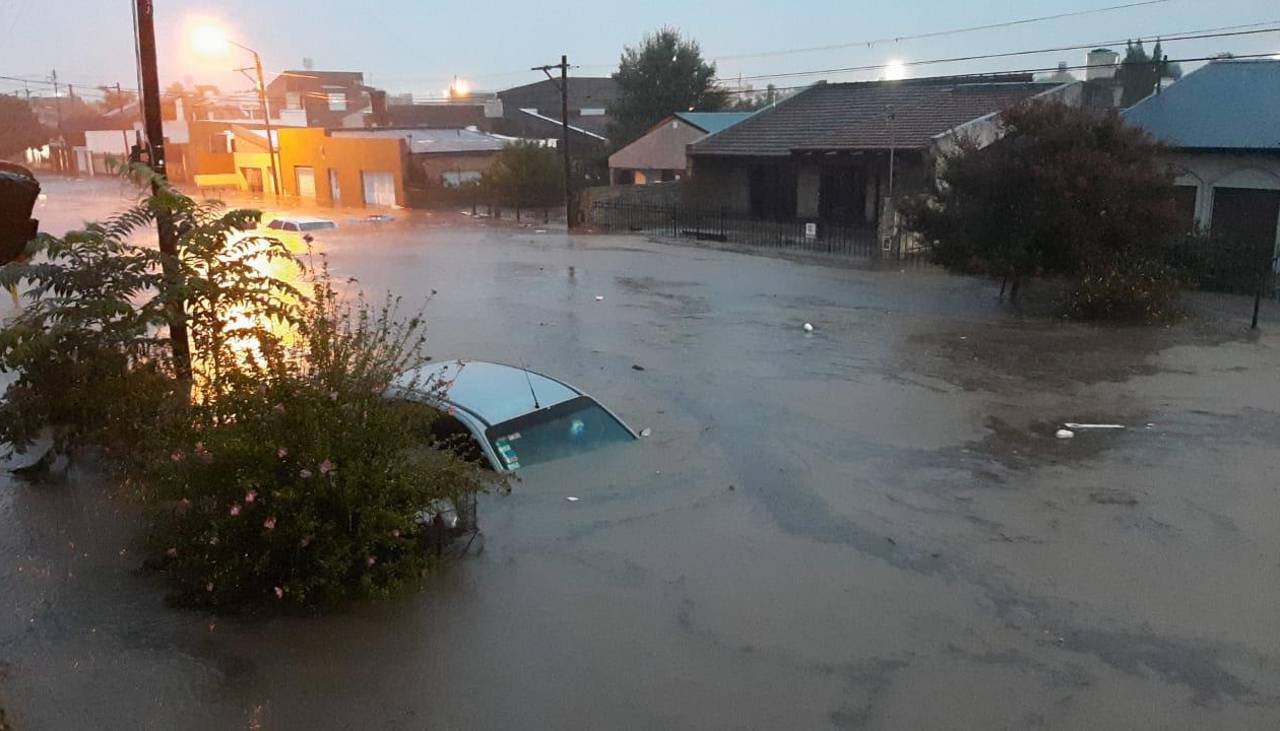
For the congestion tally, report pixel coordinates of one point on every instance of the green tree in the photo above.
(1061, 193)
(19, 128)
(525, 174)
(1140, 74)
(665, 74)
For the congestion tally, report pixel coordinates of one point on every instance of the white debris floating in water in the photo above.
(572, 499)
(1073, 425)
(599, 298)
(646, 432)
(1064, 434)
(808, 328)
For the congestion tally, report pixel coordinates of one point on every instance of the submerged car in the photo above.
(302, 225)
(510, 417)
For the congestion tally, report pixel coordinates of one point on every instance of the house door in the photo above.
(379, 188)
(305, 176)
(1247, 218)
(335, 189)
(840, 195)
(252, 179)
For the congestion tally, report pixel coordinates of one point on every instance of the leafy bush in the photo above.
(276, 471)
(1127, 288)
(1062, 192)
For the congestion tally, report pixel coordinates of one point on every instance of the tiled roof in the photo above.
(712, 122)
(1221, 105)
(867, 115)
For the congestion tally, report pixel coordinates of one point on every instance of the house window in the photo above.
(337, 101)
(292, 100)
(455, 178)
(593, 112)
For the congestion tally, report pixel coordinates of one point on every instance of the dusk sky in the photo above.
(416, 46)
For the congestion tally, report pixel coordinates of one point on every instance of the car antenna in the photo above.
(532, 392)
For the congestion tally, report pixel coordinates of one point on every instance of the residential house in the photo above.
(659, 154)
(1221, 125)
(450, 157)
(834, 154)
(354, 171)
(327, 97)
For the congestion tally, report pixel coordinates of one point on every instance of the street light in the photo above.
(211, 41)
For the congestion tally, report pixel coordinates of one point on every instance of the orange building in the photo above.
(343, 171)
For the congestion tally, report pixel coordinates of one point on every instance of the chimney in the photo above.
(1102, 64)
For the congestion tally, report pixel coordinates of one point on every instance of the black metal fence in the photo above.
(718, 226)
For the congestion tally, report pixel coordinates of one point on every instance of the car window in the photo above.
(563, 430)
(447, 432)
(290, 226)
(276, 224)
(318, 225)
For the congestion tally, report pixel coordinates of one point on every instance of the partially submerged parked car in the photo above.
(510, 417)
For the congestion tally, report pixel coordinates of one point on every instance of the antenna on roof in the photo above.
(533, 393)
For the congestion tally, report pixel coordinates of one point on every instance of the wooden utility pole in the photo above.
(155, 158)
(569, 207)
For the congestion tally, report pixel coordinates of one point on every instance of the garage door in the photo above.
(1247, 217)
(379, 188)
(306, 177)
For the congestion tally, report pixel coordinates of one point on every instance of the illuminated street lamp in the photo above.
(211, 41)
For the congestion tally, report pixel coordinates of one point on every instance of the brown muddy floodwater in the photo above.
(868, 527)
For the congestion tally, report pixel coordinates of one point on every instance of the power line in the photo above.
(1007, 54)
(941, 33)
(988, 75)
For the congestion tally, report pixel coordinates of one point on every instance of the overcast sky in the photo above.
(417, 45)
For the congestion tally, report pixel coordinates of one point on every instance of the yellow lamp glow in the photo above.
(210, 41)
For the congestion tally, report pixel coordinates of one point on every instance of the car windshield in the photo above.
(575, 426)
(317, 225)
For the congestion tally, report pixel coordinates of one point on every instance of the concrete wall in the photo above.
(1206, 171)
(661, 148)
(349, 156)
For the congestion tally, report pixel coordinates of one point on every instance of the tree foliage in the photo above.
(665, 74)
(19, 127)
(525, 174)
(279, 473)
(1140, 74)
(1062, 192)
(113, 100)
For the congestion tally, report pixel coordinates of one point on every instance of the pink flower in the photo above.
(250, 496)
(208, 586)
(333, 395)
(304, 542)
(269, 523)
(282, 453)
(178, 456)
(326, 467)
(235, 509)
(278, 408)
(279, 593)
(370, 561)
(304, 474)
(186, 502)
(171, 553)
(395, 533)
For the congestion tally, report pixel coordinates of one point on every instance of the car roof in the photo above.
(492, 392)
(298, 219)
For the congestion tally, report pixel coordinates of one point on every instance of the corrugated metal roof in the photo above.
(1221, 105)
(867, 115)
(439, 141)
(713, 122)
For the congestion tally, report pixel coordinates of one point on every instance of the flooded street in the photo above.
(871, 526)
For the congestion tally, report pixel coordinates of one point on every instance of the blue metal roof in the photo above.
(1221, 105)
(712, 122)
